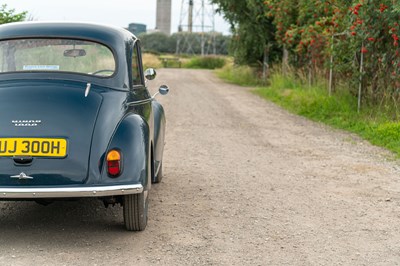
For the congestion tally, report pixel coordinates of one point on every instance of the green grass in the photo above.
(206, 62)
(240, 75)
(339, 110)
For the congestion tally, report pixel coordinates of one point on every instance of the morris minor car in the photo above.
(76, 117)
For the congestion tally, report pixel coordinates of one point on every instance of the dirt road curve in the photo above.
(245, 183)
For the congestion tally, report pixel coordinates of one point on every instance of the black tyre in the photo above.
(159, 176)
(135, 211)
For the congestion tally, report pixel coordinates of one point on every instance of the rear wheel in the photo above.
(135, 211)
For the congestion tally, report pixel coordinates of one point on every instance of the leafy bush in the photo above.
(206, 62)
(358, 41)
(9, 15)
(157, 42)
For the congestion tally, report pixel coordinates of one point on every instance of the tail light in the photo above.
(114, 163)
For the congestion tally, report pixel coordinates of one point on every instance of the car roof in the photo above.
(118, 39)
(106, 34)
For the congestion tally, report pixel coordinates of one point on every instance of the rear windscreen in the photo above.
(58, 55)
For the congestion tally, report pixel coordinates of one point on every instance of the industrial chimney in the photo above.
(163, 22)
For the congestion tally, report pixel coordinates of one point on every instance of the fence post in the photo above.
(331, 70)
(361, 78)
(265, 64)
(285, 61)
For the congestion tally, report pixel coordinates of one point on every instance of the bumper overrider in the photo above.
(69, 192)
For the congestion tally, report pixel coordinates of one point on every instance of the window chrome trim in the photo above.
(140, 102)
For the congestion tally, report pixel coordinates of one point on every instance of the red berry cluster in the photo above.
(382, 7)
(356, 9)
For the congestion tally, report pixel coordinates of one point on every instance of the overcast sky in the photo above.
(116, 12)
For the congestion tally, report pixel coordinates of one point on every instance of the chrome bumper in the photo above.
(69, 192)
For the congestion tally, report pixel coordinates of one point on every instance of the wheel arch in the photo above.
(132, 138)
(159, 133)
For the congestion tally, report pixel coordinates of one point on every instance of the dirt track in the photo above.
(245, 183)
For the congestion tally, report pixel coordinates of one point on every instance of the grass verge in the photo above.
(205, 62)
(151, 60)
(339, 111)
(240, 75)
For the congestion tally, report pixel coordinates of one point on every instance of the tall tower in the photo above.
(163, 21)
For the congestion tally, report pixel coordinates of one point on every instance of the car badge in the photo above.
(22, 175)
(26, 123)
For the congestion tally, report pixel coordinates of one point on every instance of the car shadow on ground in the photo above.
(81, 223)
(83, 215)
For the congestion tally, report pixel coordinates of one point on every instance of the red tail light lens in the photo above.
(114, 163)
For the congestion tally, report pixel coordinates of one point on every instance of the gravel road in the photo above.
(245, 183)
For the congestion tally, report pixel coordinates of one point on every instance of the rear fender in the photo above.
(159, 133)
(132, 139)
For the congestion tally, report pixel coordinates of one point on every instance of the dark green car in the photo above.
(76, 118)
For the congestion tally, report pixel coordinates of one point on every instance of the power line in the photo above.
(196, 27)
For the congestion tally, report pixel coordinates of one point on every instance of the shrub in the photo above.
(207, 62)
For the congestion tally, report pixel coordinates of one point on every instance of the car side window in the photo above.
(136, 77)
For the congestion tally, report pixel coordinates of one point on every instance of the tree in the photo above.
(9, 15)
(357, 41)
(157, 42)
(375, 31)
(184, 42)
(253, 32)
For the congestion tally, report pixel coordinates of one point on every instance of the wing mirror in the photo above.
(150, 73)
(163, 90)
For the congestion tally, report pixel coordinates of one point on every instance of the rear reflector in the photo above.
(114, 163)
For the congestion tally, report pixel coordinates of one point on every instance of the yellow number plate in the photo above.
(33, 147)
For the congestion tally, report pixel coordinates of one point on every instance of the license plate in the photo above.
(36, 147)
